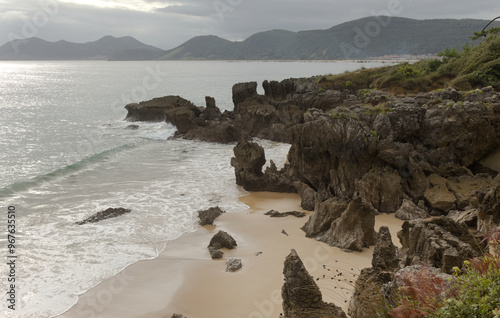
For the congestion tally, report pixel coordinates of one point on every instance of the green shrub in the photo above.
(479, 291)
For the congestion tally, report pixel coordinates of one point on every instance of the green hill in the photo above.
(364, 38)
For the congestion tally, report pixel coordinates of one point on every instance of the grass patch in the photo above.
(473, 67)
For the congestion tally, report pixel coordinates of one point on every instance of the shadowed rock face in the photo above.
(248, 160)
(301, 296)
(440, 242)
(354, 229)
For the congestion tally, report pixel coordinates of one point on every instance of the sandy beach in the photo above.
(184, 279)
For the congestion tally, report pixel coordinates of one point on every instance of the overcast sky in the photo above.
(168, 23)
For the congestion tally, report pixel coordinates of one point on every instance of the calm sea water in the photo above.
(66, 154)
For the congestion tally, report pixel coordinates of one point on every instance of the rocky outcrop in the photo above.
(301, 296)
(347, 143)
(409, 211)
(466, 218)
(354, 229)
(103, 215)
(233, 265)
(440, 242)
(155, 109)
(324, 214)
(381, 188)
(207, 217)
(276, 214)
(219, 241)
(248, 160)
(385, 252)
(222, 240)
(370, 297)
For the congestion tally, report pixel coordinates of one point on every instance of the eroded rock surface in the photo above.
(301, 296)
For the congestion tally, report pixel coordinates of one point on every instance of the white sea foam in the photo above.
(163, 183)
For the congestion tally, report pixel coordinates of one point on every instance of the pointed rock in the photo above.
(301, 296)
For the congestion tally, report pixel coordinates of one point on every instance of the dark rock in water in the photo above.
(410, 211)
(211, 112)
(325, 213)
(222, 240)
(307, 195)
(103, 215)
(301, 296)
(132, 127)
(233, 264)
(243, 92)
(440, 242)
(385, 252)
(276, 214)
(354, 229)
(154, 110)
(215, 253)
(207, 217)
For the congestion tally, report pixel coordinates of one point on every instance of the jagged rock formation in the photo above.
(248, 160)
(354, 229)
(346, 143)
(301, 296)
(103, 215)
(440, 242)
(207, 217)
(324, 214)
(369, 298)
(385, 253)
(409, 211)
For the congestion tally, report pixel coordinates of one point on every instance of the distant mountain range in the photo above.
(102, 49)
(369, 37)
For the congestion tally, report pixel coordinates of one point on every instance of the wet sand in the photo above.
(184, 279)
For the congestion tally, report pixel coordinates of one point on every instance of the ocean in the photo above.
(66, 153)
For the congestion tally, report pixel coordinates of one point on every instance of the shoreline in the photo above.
(184, 279)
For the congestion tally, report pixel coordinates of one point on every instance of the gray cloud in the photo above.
(170, 23)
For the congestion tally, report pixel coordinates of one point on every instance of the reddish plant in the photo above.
(422, 293)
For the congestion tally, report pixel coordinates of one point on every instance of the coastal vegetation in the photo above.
(475, 66)
(473, 291)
